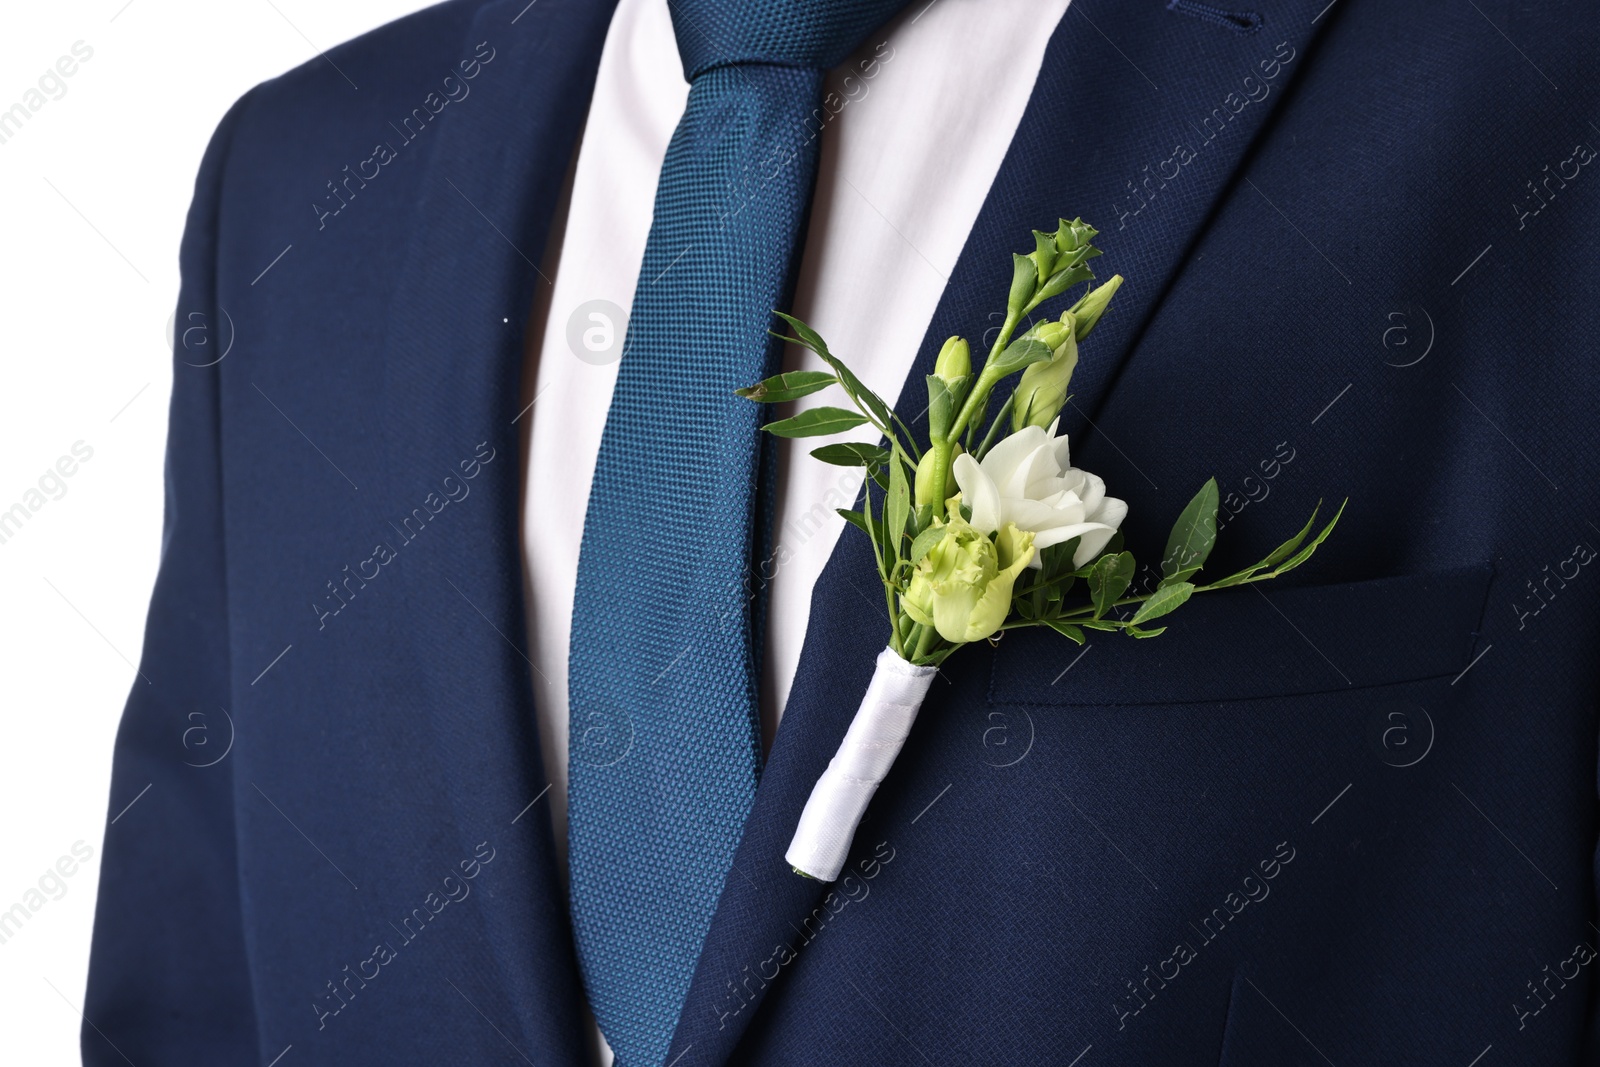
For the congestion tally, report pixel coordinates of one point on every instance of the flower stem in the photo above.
(942, 452)
(1087, 611)
(977, 399)
(894, 624)
(986, 380)
(994, 429)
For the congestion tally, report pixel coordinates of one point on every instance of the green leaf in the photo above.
(897, 509)
(1044, 252)
(852, 385)
(808, 337)
(1098, 624)
(1163, 600)
(852, 454)
(1283, 551)
(1109, 580)
(787, 386)
(1192, 536)
(975, 423)
(816, 423)
(1135, 632)
(1276, 555)
(1237, 578)
(1305, 553)
(1061, 281)
(858, 390)
(1024, 278)
(924, 543)
(943, 399)
(1065, 629)
(1019, 354)
(1113, 546)
(1056, 560)
(856, 519)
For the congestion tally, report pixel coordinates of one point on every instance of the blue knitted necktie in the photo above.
(664, 749)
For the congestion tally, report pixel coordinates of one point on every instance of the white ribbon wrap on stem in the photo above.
(839, 799)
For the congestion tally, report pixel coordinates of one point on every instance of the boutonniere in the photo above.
(986, 526)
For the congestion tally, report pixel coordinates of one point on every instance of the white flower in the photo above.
(1028, 479)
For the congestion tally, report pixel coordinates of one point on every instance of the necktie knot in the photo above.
(814, 34)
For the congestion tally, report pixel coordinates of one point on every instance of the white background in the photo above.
(88, 283)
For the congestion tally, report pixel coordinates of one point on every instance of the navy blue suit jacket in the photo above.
(1346, 820)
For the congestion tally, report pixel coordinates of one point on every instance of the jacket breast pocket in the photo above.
(1150, 780)
(1256, 641)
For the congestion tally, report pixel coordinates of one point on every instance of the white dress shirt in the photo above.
(923, 115)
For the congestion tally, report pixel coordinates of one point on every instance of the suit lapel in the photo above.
(494, 174)
(1139, 121)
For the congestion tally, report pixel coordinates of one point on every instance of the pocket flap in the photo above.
(1260, 641)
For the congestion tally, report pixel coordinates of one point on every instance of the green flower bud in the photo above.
(963, 586)
(1042, 390)
(1093, 305)
(1024, 280)
(1072, 240)
(1044, 254)
(927, 492)
(947, 387)
(927, 470)
(1053, 334)
(955, 360)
